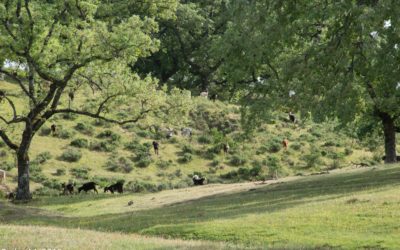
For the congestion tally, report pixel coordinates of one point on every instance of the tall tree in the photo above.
(337, 58)
(54, 48)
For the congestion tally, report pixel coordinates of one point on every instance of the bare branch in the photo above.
(15, 77)
(141, 115)
(7, 140)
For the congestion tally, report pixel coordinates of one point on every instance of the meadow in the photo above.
(346, 209)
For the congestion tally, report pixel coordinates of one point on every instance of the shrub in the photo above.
(59, 172)
(80, 143)
(274, 145)
(2, 144)
(185, 158)
(8, 166)
(133, 145)
(348, 151)
(187, 149)
(138, 187)
(69, 116)
(42, 157)
(109, 135)
(102, 146)
(65, 134)
(144, 133)
(295, 146)
(215, 162)
(71, 155)
(312, 159)
(3, 154)
(237, 160)
(80, 173)
(144, 162)
(121, 164)
(273, 165)
(203, 139)
(45, 131)
(84, 128)
(164, 164)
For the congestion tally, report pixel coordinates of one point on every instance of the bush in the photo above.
(42, 157)
(102, 146)
(59, 172)
(45, 131)
(348, 151)
(71, 155)
(187, 149)
(203, 139)
(80, 173)
(164, 164)
(274, 145)
(215, 163)
(144, 133)
(80, 143)
(2, 144)
(109, 135)
(313, 158)
(273, 165)
(121, 164)
(138, 187)
(84, 128)
(143, 163)
(185, 158)
(237, 160)
(295, 146)
(65, 134)
(3, 154)
(135, 145)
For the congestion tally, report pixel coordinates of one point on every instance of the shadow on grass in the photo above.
(266, 199)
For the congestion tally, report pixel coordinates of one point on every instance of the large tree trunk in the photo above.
(23, 192)
(389, 130)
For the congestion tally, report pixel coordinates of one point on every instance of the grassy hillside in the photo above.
(344, 209)
(85, 149)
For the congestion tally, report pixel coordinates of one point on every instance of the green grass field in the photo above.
(346, 209)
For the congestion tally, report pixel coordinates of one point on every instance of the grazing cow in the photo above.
(198, 180)
(285, 143)
(68, 188)
(53, 128)
(225, 147)
(292, 117)
(88, 186)
(155, 146)
(115, 187)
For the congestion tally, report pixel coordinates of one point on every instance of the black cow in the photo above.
(88, 186)
(198, 180)
(115, 187)
(68, 188)
(292, 117)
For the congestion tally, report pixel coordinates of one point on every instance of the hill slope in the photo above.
(85, 149)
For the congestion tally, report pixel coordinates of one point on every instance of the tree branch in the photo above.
(7, 140)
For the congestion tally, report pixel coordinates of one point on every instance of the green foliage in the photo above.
(120, 164)
(42, 157)
(238, 160)
(60, 172)
(186, 158)
(84, 128)
(102, 146)
(71, 155)
(313, 158)
(164, 164)
(80, 173)
(80, 143)
(109, 135)
(204, 139)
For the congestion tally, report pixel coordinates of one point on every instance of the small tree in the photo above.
(57, 49)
